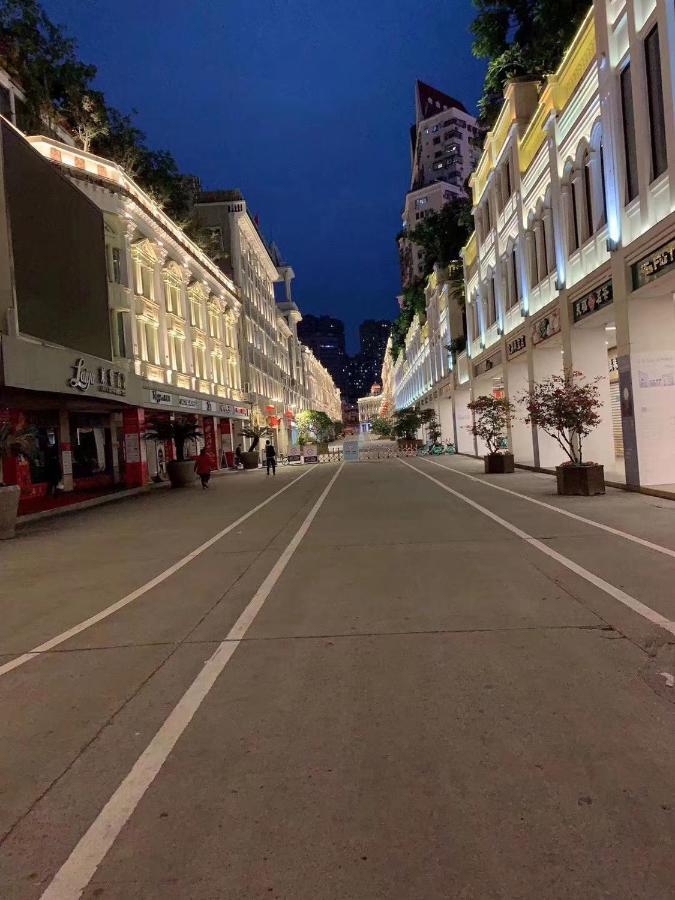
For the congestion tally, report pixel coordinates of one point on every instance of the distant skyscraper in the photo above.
(326, 338)
(373, 334)
(445, 145)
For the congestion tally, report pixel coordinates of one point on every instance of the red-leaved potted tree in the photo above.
(567, 410)
(491, 417)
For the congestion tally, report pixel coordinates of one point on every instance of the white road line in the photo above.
(563, 512)
(631, 602)
(80, 867)
(143, 589)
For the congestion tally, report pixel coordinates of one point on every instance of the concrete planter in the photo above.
(251, 460)
(582, 481)
(499, 463)
(9, 503)
(181, 474)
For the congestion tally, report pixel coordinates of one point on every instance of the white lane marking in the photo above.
(670, 681)
(143, 589)
(631, 602)
(563, 512)
(80, 867)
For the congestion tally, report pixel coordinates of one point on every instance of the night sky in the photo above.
(303, 104)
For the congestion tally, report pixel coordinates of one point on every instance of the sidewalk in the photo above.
(33, 509)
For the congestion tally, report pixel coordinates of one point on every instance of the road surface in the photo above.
(374, 680)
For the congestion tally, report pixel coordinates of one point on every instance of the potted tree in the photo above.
(567, 410)
(433, 428)
(491, 417)
(407, 422)
(179, 430)
(13, 442)
(251, 457)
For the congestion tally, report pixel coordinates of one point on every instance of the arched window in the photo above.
(586, 174)
(602, 183)
(514, 284)
(571, 213)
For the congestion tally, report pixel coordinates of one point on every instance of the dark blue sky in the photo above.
(303, 104)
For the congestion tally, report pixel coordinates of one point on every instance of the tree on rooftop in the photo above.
(521, 37)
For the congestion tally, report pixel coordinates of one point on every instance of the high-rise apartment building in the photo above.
(325, 336)
(444, 147)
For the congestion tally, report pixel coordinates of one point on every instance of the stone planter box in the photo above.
(498, 463)
(250, 460)
(582, 481)
(9, 503)
(181, 474)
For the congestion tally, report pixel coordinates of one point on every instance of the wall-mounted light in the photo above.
(613, 244)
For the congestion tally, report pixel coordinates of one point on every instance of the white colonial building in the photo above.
(572, 264)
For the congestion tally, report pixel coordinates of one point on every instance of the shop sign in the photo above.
(487, 364)
(515, 346)
(103, 379)
(161, 398)
(350, 450)
(654, 266)
(234, 412)
(546, 326)
(601, 296)
(310, 453)
(188, 403)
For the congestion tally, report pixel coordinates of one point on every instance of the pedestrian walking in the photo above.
(271, 457)
(52, 471)
(203, 467)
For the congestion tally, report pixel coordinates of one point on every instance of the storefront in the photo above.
(72, 405)
(217, 421)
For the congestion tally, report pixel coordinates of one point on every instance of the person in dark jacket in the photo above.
(238, 461)
(271, 457)
(52, 471)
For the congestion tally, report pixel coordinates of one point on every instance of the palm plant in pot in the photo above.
(253, 433)
(14, 442)
(180, 429)
(567, 410)
(491, 418)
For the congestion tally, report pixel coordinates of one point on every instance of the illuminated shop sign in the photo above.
(590, 303)
(546, 326)
(515, 346)
(654, 266)
(103, 379)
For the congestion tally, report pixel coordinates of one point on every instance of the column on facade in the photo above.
(160, 299)
(136, 465)
(133, 342)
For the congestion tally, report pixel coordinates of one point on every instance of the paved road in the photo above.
(387, 681)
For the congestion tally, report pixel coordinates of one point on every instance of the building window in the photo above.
(588, 198)
(214, 324)
(436, 140)
(629, 133)
(145, 286)
(151, 343)
(200, 361)
(602, 183)
(515, 286)
(172, 292)
(195, 313)
(116, 265)
(177, 353)
(120, 336)
(657, 119)
(218, 370)
(492, 303)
